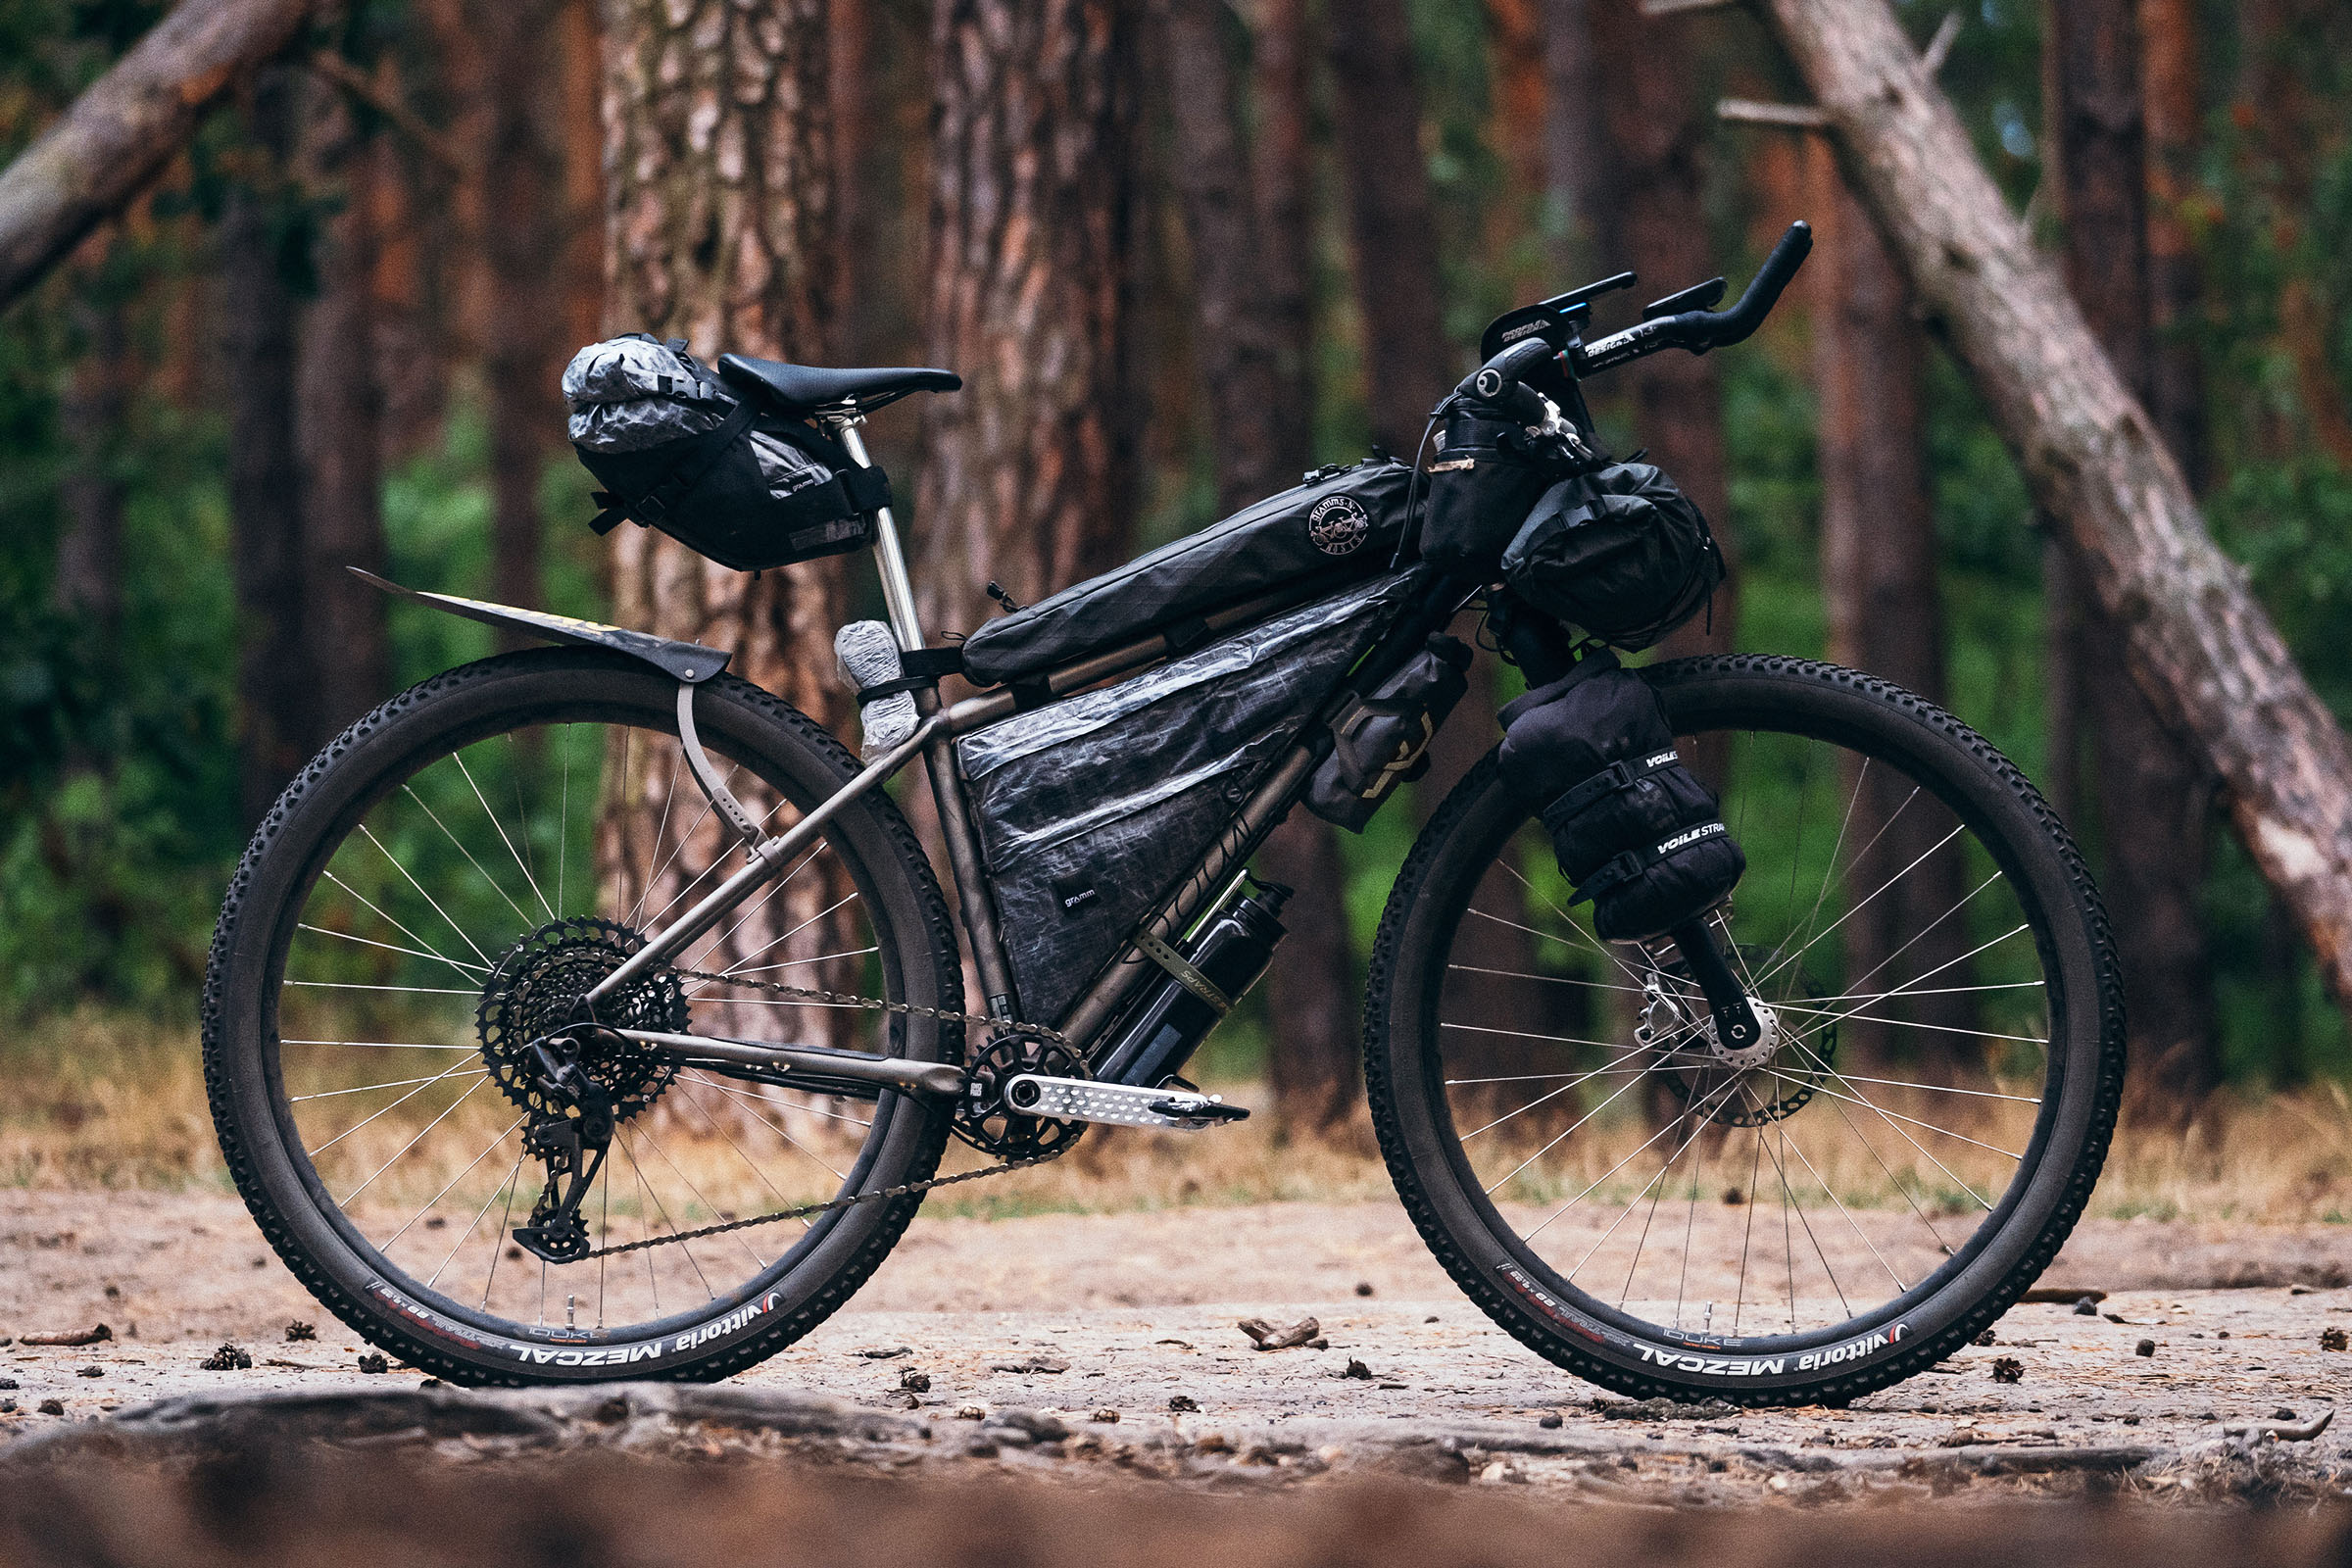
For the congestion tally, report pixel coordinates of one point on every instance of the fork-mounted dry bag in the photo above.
(1592, 755)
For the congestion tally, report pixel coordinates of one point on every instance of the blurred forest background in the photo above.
(1181, 250)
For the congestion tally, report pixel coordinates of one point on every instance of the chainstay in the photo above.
(882, 1195)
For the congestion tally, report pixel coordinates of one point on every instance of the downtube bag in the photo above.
(1091, 809)
(1592, 755)
(1381, 741)
(676, 451)
(1619, 552)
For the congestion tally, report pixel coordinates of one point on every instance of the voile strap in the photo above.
(1187, 974)
(1633, 862)
(1608, 781)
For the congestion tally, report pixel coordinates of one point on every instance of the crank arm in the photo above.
(803, 1066)
(1119, 1104)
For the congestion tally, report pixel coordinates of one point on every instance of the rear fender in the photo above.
(689, 663)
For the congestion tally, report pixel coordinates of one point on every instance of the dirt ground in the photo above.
(1140, 1310)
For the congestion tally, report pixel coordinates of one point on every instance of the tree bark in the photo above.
(2170, 89)
(338, 427)
(275, 688)
(1248, 315)
(719, 232)
(2153, 798)
(2200, 646)
(127, 125)
(1886, 615)
(1653, 223)
(88, 582)
(1573, 177)
(1283, 177)
(1029, 476)
(1400, 290)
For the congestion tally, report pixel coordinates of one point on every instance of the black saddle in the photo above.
(798, 390)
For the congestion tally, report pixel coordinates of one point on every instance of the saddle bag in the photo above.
(676, 451)
(1486, 475)
(1091, 809)
(1592, 755)
(1619, 552)
(1381, 741)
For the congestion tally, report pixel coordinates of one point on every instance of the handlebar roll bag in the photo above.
(1485, 476)
(1621, 552)
(1636, 833)
(1091, 809)
(676, 451)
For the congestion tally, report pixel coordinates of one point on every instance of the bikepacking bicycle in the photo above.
(1741, 1026)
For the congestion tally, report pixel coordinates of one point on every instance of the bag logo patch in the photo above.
(1338, 526)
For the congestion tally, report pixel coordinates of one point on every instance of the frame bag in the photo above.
(1091, 809)
(676, 451)
(1619, 552)
(1635, 830)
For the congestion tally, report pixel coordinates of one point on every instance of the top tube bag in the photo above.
(676, 451)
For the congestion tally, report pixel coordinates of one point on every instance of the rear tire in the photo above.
(355, 1276)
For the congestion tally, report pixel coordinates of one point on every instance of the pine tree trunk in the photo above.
(1030, 473)
(274, 685)
(1282, 170)
(1886, 614)
(1255, 412)
(2200, 645)
(2169, 89)
(1653, 223)
(1573, 177)
(720, 231)
(338, 428)
(93, 415)
(2153, 798)
(1400, 290)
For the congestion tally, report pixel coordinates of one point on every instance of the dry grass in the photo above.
(100, 1101)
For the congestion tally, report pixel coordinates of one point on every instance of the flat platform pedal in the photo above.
(1119, 1104)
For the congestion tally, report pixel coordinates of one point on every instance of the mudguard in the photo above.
(690, 662)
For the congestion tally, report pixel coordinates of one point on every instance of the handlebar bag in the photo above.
(1619, 552)
(1636, 832)
(1093, 807)
(1485, 476)
(676, 451)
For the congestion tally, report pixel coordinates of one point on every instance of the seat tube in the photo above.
(947, 777)
(890, 558)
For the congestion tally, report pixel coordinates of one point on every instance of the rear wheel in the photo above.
(1821, 1215)
(435, 892)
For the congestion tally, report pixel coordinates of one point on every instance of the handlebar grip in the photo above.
(1764, 289)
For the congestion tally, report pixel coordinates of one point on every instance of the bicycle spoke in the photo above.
(520, 864)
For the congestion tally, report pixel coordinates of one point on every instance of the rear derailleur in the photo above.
(571, 1134)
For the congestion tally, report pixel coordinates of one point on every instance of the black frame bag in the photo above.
(1619, 552)
(676, 451)
(1635, 830)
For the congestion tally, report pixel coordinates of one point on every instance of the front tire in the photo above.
(1958, 1153)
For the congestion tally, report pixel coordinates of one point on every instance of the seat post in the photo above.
(898, 592)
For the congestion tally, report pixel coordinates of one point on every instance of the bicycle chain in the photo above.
(903, 1189)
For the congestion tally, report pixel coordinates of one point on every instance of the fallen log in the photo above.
(2199, 644)
(127, 123)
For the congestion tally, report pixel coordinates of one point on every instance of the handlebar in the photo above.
(1498, 380)
(1701, 330)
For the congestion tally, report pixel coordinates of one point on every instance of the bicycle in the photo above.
(557, 893)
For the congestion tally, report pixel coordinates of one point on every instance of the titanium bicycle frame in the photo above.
(1198, 894)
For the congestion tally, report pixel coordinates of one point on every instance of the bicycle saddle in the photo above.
(800, 389)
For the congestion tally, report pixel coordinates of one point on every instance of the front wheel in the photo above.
(1821, 1215)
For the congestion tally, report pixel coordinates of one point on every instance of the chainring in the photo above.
(535, 991)
(986, 1122)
